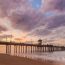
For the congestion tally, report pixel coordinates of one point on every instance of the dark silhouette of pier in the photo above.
(23, 47)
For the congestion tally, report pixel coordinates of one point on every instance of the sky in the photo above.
(33, 19)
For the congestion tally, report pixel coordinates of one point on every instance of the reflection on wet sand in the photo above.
(13, 60)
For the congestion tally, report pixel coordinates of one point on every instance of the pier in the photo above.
(23, 47)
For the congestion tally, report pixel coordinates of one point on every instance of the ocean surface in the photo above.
(53, 56)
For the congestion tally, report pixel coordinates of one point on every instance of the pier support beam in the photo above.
(8, 49)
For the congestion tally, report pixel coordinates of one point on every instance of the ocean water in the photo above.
(53, 56)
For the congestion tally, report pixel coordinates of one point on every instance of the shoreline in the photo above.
(15, 60)
(44, 57)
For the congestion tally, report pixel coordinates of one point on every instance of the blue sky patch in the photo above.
(36, 4)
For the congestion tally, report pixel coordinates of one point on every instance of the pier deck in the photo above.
(23, 47)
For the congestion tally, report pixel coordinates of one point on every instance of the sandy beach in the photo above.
(13, 60)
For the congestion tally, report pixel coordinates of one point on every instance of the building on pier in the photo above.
(40, 42)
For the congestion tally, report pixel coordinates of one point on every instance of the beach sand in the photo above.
(13, 60)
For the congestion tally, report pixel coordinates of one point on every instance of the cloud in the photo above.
(41, 32)
(56, 21)
(26, 21)
(20, 13)
(6, 36)
(58, 5)
(37, 24)
(2, 29)
(21, 16)
(53, 23)
(7, 7)
(20, 7)
(53, 5)
(58, 33)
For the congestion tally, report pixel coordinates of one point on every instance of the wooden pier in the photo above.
(23, 48)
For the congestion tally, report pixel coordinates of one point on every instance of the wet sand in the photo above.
(13, 60)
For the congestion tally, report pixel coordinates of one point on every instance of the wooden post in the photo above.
(35, 49)
(43, 48)
(14, 49)
(6, 49)
(26, 50)
(10, 49)
(21, 48)
(31, 49)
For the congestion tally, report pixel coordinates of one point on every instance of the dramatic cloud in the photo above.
(53, 29)
(26, 21)
(54, 5)
(58, 5)
(7, 7)
(56, 21)
(41, 32)
(23, 15)
(57, 33)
